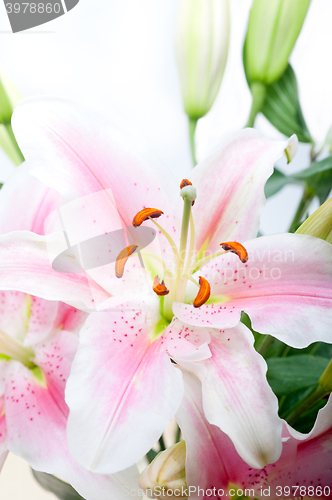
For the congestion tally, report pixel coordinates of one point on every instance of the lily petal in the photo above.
(230, 188)
(114, 367)
(25, 266)
(36, 421)
(28, 201)
(285, 287)
(237, 397)
(78, 153)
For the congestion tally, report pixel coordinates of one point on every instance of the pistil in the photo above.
(15, 350)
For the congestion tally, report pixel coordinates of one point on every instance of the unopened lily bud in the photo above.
(319, 224)
(9, 98)
(273, 28)
(202, 39)
(165, 477)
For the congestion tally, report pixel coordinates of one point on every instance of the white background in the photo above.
(117, 56)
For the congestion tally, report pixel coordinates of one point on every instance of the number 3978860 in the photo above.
(33, 8)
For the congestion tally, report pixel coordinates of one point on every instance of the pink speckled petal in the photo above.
(285, 287)
(25, 266)
(212, 461)
(14, 308)
(131, 382)
(230, 188)
(186, 343)
(42, 316)
(68, 318)
(36, 419)
(77, 152)
(237, 397)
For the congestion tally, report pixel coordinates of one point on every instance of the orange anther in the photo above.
(144, 214)
(236, 248)
(204, 292)
(184, 183)
(122, 259)
(159, 287)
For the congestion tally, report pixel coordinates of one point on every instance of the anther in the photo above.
(204, 292)
(184, 183)
(145, 214)
(236, 248)
(159, 287)
(122, 259)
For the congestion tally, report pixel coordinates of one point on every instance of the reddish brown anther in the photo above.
(204, 292)
(122, 259)
(159, 287)
(236, 248)
(184, 183)
(145, 214)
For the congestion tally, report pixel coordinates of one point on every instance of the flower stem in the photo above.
(307, 197)
(258, 91)
(305, 404)
(265, 344)
(192, 129)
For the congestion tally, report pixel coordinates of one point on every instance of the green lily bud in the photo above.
(165, 477)
(9, 98)
(319, 224)
(202, 39)
(274, 26)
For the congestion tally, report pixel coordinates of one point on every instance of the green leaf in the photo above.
(315, 168)
(276, 182)
(50, 483)
(282, 107)
(290, 374)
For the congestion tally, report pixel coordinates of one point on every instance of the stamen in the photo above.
(159, 287)
(122, 259)
(237, 248)
(12, 348)
(145, 214)
(204, 292)
(184, 183)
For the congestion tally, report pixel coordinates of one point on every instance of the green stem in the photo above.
(192, 129)
(265, 344)
(258, 91)
(16, 155)
(162, 443)
(306, 403)
(307, 197)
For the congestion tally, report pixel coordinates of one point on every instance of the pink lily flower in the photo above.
(123, 363)
(302, 471)
(38, 341)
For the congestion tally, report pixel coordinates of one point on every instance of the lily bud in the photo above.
(319, 224)
(202, 39)
(165, 477)
(273, 28)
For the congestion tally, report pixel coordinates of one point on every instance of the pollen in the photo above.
(122, 258)
(145, 214)
(159, 287)
(204, 292)
(236, 248)
(184, 183)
